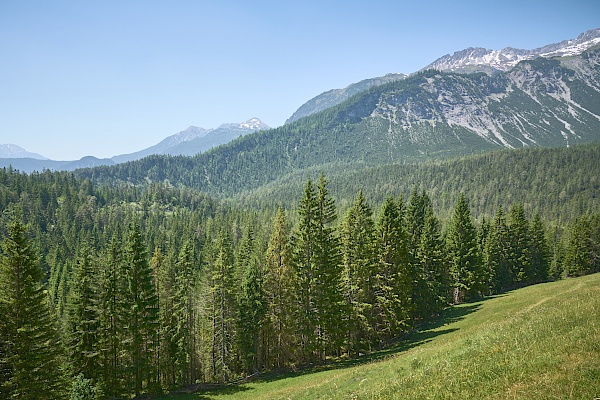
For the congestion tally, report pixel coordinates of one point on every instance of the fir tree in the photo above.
(252, 308)
(539, 251)
(279, 291)
(519, 246)
(82, 317)
(465, 265)
(112, 315)
(358, 254)
(393, 281)
(184, 315)
(142, 314)
(496, 254)
(433, 268)
(30, 359)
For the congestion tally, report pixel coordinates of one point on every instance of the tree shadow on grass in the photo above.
(424, 334)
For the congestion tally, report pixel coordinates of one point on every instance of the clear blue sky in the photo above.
(108, 77)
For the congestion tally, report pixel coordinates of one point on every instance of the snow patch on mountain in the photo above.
(13, 151)
(478, 59)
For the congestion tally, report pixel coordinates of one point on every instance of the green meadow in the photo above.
(539, 342)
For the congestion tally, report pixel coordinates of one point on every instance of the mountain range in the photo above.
(432, 114)
(509, 98)
(188, 142)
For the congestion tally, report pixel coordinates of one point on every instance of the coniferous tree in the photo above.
(582, 250)
(496, 255)
(83, 318)
(316, 261)
(252, 307)
(328, 274)
(279, 292)
(164, 272)
(465, 264)
(142, 314)
(184, 315)
(220, 311)
(539, 251)
(112, 315)
(359, 261)
(392, 308)
(433, 267)
(519, 246)
(30, 351)
(305, 270)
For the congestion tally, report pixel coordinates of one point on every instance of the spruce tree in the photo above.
(304, 266)
(519, 246)
(30, 362)
(317, 264)
(465, 265)
(142, 314)
(112, 318)
(539, 251)
(220, 311)
(359, 261)
(184, 315)
(496, 255)
(433, 271)
(279, 291)
(392, 286)
(83, 318)
(328, 274)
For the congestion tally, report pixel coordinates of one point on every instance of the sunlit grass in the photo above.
(540, 342)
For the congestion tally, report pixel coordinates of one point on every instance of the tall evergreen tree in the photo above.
(279, 292)
(30, 359)
(83, 318)
(328, 274)
(433, 272)
(316, 261)
(496, 255)
(539, 251)
(393, 279)
(184, 315)
(111, 314)
(359, 261)
(252, 307)
(220, 311)
(519, 246)
(465, 264)
(142, 314)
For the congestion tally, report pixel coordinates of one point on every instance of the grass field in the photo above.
(540, 342)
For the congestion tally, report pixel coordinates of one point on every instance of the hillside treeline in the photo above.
(122, 290)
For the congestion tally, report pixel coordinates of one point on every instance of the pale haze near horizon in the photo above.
(108, 78)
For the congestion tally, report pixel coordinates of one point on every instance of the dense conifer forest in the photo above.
(115, 289)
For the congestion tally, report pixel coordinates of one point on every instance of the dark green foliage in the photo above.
(465, 263)
(519, 247)
(583, 248)
(358, 277)
(317, 265)
(279, 294)
(393, 279)
(30, 362)
(82, 318)
(83, 389)
(496, 255)
(252, 307)
(141, 322)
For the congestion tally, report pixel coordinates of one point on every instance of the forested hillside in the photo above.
(152, 287)
(429, 115)
(558, 183)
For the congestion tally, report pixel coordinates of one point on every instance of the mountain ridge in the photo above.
(428, 115)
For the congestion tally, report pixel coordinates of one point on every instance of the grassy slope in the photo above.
(540, 342)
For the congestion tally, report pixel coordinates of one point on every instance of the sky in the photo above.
(112, 77)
